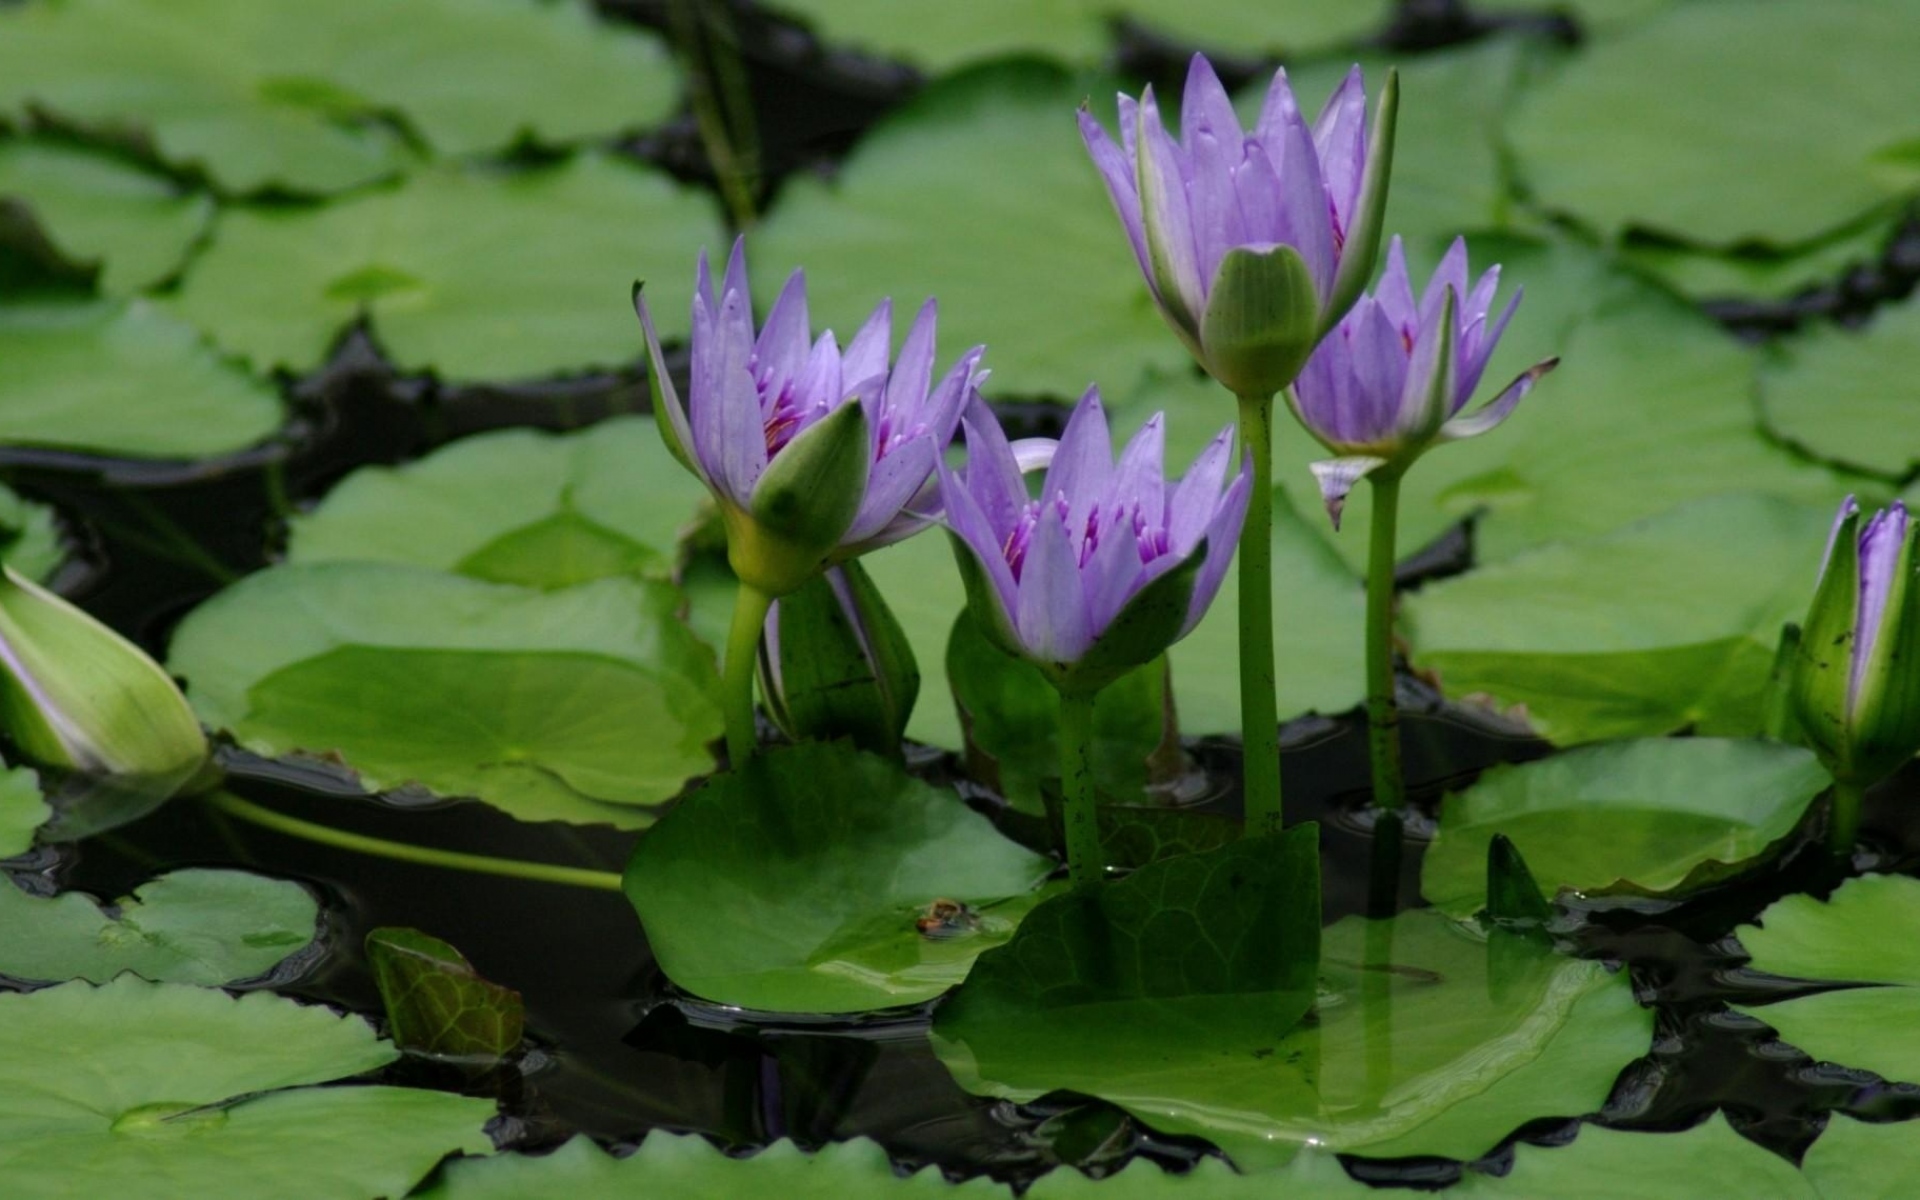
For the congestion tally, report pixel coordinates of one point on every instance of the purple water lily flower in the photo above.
(758, 401)
(1856, 681)
(1252, 241)
(1394, 376)
(1112, 564)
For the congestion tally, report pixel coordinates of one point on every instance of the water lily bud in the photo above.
(76, 694)
(1856, 679)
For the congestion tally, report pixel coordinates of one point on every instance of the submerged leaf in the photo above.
(437, 1004)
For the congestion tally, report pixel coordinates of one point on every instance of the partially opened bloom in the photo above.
(1394, 376)
(1252, 241)
(1111, 565)
(1856, 682)
(814, 453)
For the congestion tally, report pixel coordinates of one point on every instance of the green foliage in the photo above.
(190, 926)
(1838, 393)
(844, 666)
(181, 1093)
(527, 700)
(798, 884)
(98, 213)
(1637, 817)
(1309, 1176)
(437, 1004)
(124, 378)
(22, 810)
(1607, 1164)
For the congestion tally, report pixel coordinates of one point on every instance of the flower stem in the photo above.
(1259, 710)
(1383, 715)
(750, 607)
(1079, 816)
(428, 856)
(1843, 820)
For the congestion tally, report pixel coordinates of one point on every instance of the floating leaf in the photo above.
(527, 700)
(1762, 274)
(191, 926)
(29, 539)
(1840, 393)
(437, 1004)
(135, 226)
(21, 810)
(1774, 123)
(164, 1091)
(689, 1167)
(290, 95)
(938, 36)
(1039, 272)
(1605, 1164)
(797, 883)
(1854, 1160)
(1593, 16)
(474, 273)
(1308, 1176)
(1668, 624)
(123, 378)
(1641, 817)
(515, 506)
(1868, 932)
(1426, 1042)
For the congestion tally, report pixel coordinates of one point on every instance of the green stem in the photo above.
(750, 607)
(1080, 815)
(1843, 820)
(1259, 710)
(1383, 715)
(428, 856)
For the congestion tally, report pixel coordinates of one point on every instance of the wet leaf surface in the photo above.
(100, 212)
(1606, 1164)
(437, 1004)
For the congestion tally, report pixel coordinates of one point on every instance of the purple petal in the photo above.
(736, 280)
(781, 351)
(818, 386)
(727, 425)
(1336, 477)
(1111, 577)
(1214, 202)
(1083, 464)
(993, 474)
(1257, 186)
(1278, 115)
(866, 355)
(1420, 393)
(676, 409)
(1378, 362)
(1052, 612)
(954, 393)
(1303, 204)
(1223, 537)
(1451, 273)
(1163, 172)
(1474, 363)
(1205, 106)
(1340, 136)
(1880, 546)
(964, 517)
(1141, 476)
(1496, 410)
(1117, 170)
(891, 483)
(1197, 495)
(913, 370)
(1395, 289)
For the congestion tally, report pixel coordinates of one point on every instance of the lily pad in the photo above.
(437, 1004)
(527, 700)
(688, 1166)
(1640, 817)
(165, 1091)
(1594, 16)
(1868, 932)
(517, 506)
(1039, 272)
(295, 96)
(124, 378)
(22, 810)
(796, 883)
(1839, 393)
(1425, 1042)
(1762, 274)
(1309, 1176)
(474, 273)
(29, 538)
(1664, 625)
(1608, 1164)
(939, 36)
(192, 926)
(1854, 1160)
(1799, 117)
(134, 225)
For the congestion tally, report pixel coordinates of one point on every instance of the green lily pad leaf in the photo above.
(1427, 1040)
(1608, 1164)
(287, 95)
(29, 538)
(1308, 1176)
(939, 37)
(474, 273)
(803, 881)
(1449, 176)
(164, 1091)
(1640, 817)
(22, 810)
(437, 1004)
(1838, 393)
(516, 506)
(123, 378)
(99, 211)
(1040, 273)
(921, 585)
(689, 1167)
(191, 926)
(1664, 625)
(1012, 718)
(1594, 16)
(1798, 119)
(526, 700)
(1854, 1160)
(1868, 932)
(1762, 274)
